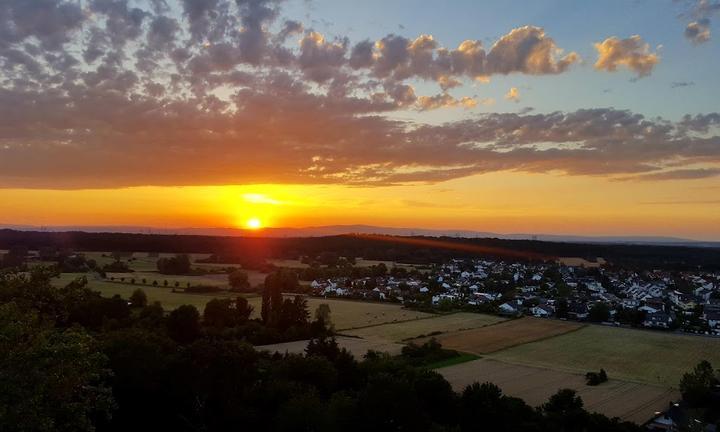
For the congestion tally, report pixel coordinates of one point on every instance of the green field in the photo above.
(635, 355)
(170, 300)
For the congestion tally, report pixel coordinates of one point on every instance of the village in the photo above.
(673, 301)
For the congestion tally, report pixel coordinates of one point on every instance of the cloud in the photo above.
(513, 94)
(319, 59)
(528, 50)
(681, 174)
(444, 100)
(698, 31)
(225, 92)
(631, 53)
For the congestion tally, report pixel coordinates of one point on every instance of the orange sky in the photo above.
(502, 202)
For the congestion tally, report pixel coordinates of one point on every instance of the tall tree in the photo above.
(51, 379)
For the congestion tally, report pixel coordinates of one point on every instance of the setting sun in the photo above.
(253, 223)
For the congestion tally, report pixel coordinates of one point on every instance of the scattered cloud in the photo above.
(444, 100)
(513, 94)
(697, 30)
(680, 174)
(632, 53)
(226, 92)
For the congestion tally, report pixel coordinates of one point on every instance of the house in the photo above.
(542, 311)
(578, 311)
(511, 308)
(713, 319)
(658, 320)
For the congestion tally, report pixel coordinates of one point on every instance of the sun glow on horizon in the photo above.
(253, 223)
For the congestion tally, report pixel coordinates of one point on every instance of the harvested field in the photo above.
(615, 398)
(403, 332)
(650, 357)
(358, 347)
(581, 262)
(345, 314)
(348, 314)
(505, 334)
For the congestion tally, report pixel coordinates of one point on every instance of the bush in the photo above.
(596, 378)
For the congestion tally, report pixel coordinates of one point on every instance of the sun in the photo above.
(253, 223)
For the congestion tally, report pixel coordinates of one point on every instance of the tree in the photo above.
(696, 386)
(599, 312)
(183, 324)
(322, 318)
(51, 379)
(226, 312)
(277, 283)
(239, 281)
(561, 308)
(138, 298)
(564, 411)
(177, 265)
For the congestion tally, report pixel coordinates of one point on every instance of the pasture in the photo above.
(434, 325)
(615, 398)
(650, 357)
(170, 300)
(506, 334)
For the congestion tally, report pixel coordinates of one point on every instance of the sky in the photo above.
(547, 117)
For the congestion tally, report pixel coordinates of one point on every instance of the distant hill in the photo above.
(333, 230)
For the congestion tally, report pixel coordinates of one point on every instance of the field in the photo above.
(635, 355)
(401, 332)
(505, 334)
(359, 262)
(170, 300)
(358, 347)
(581, 262)
(615, 398)
(345, 314)
(349, 314)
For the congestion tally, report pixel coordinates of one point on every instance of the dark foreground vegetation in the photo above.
(251, 253)
(73, 361)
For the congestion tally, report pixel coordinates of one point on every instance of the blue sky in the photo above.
(575, 26)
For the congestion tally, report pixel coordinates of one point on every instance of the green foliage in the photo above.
(596, 378)
(696, 386)
(183, 324)
(277, 283)
(51, 379)
(177, 265)
(239, 281)
(138, 298)
(599, 312)
(226, 312)
(428, 353)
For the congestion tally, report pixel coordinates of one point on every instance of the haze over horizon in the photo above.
(548, 117)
